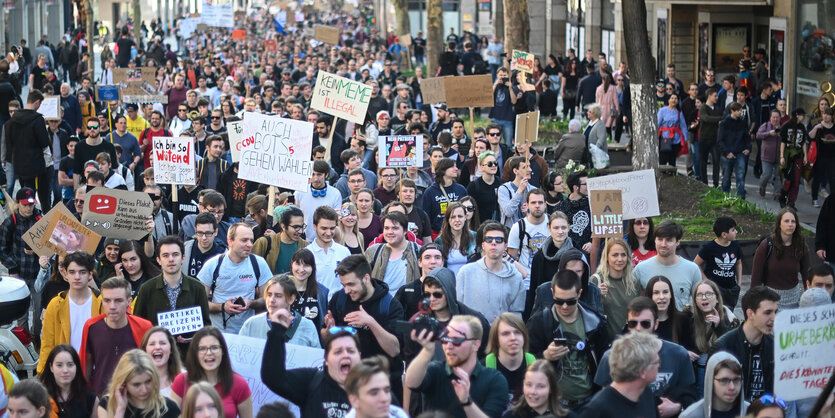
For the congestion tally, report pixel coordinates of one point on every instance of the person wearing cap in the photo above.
(26, 137)
(15, 254)
(442, 123)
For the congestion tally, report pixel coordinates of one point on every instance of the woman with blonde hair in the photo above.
(134, 390)
(541, 394)
(160, 345)
(348, 232)
(616, 282)
(202, 401)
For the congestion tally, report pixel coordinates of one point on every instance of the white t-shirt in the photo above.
(684, 276)
(233, 280)
(326, 264)
(79, 314)
(535, 236)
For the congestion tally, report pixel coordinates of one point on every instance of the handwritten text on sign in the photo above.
(640, 197)
(804, 341)
(341, 97)
(181, 321)
(236, 136)
(246, 354)
(606, 213)
(522, 61)
(276, 151)
(174, 160)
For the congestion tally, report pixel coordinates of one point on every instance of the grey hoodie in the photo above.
(446, 277)
(491, 293)
(702, 408)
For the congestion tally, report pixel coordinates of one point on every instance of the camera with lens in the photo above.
(422, 320)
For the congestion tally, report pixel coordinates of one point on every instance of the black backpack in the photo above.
(480, 66)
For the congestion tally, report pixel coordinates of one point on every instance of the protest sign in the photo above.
(639, 194)
(246, 354)
(401, 151)
(522, 61)
(117, 213)
(49, 107)
(238, 34)
(433, 90)
(181, 321)
(173, 159)
(343, 98)
(32, 237)
(606, 213)
(327, 34)
(469, 91)
(138, 85)
(276, 151)
(188, 26)
(106, 93)
(65, 235)
(527, 127)
(236, 136)
(803, 348)
(218, 13)
(405, 40)
(270, 45)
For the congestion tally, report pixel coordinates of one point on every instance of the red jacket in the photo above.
(138, 326)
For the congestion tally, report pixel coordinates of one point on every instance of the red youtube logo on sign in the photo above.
(103, 205)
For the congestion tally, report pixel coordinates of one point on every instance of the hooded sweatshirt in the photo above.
(491, 293)
(591, 297)
(702, 408)
(543, 268)
(26, 137)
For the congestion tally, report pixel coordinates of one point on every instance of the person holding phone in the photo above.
(134, 391)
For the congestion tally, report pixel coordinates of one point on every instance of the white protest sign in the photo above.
(276, 151)
(246, 354)
(49, 107)
(173, 159)
(804, 344)
(181, 321)
(341, 97)
(236, 136)
(640, 196)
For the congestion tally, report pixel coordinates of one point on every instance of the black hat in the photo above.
(25, 195)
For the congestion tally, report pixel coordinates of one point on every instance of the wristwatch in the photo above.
(468, 403)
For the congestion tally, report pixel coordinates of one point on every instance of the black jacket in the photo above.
(591, 297)
(735, 343)
(26, 137)
(825, 240)
(587, 90)
(733, 136)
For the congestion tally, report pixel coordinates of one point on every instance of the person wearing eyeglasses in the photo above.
(711, 319)
(709, 81)
(570, 336)
(163, 220)
(459, 384)
(278, 248)
(675, 384)
(203, 246)
(722, 390)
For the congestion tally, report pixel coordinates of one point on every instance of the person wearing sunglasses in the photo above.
(675, 385)
(317, 392)
(459, 384)
(471, 170)
(767, 406)
(722, 390)
(483, 188)
(203, 246)
(570, 336)
(709, 82)
(88, 150)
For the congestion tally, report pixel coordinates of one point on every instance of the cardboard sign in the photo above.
(639, 193)
(65, 235)
(238, 34)
(173, 160)
(33, 236)
(527, 127)
(246, 354)
(433, 90)
(181, 321)
(606, 213)
(107, 93)
(49, 107)
(522, 61)
(469, 91)
(405, 40)
(803, 347)
(276, 151)
(327, 34)
(401, 151)
(235, 129)
(138, 85)
(344, 98)
(270, 45)
(117, 213)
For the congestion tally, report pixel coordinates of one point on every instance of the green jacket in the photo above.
(153, 299)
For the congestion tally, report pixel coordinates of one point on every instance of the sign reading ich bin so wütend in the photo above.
(341, 97)
(276, 151)
(804, 344)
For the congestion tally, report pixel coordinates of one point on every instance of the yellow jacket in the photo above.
(56, 325)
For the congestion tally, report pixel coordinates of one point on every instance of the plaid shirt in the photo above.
(12, 247)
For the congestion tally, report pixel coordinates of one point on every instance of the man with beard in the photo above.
(212, 166)
(460, 384)
(278, 249)
(234, 281)
(337, 143)
(418, 219)
(163, 219)
(366, 305)
(146, 138)
(376, 103)
(576, 207)
(529, 233)
(88, 150)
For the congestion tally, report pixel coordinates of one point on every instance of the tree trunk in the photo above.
(517, 25)
(498, 18)
(137, 22)
(434, 36)
(401, 12)
(642, 84)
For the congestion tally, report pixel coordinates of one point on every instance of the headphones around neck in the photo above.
(319, 192)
